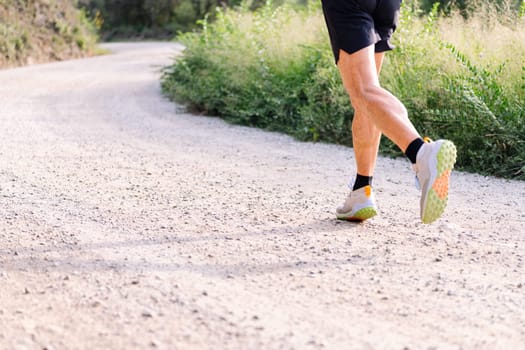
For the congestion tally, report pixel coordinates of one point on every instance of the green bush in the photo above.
(263, 83)
(461, 79)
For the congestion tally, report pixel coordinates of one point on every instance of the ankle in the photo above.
(413, 148)
(362, 181)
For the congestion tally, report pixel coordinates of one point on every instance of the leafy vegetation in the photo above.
(460, 78)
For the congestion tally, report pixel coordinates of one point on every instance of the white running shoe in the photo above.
(434, 163)
(359, 205)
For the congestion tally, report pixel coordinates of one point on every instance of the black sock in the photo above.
(413, 148)
(362, 181)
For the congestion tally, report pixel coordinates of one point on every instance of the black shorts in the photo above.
(356, 24)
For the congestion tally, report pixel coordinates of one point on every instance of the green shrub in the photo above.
(263, 83)
(459, 79)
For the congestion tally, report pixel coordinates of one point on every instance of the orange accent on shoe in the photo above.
(368, 191)
(441, 185)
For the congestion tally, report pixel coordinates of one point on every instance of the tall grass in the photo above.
(465, 80)
(460, 79)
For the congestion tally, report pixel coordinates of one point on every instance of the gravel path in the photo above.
(128, 224)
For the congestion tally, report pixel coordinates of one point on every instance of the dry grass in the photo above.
(488, 40)
(41, 31)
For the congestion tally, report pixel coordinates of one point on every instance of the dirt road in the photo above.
(129, 224)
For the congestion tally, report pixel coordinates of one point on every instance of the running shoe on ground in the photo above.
(434, 163)
(359, 205)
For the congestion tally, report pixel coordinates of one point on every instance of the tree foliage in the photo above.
(150, 18)
(467, 7)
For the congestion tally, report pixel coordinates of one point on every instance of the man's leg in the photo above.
(365, 135)
(385, 114)
(382, 110)
(360, 72)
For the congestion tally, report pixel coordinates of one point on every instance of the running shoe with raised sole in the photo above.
(359, 205)
(434, 163)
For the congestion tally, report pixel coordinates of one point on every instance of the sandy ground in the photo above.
(127, 223)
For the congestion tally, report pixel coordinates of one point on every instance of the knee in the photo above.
(363, 95)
